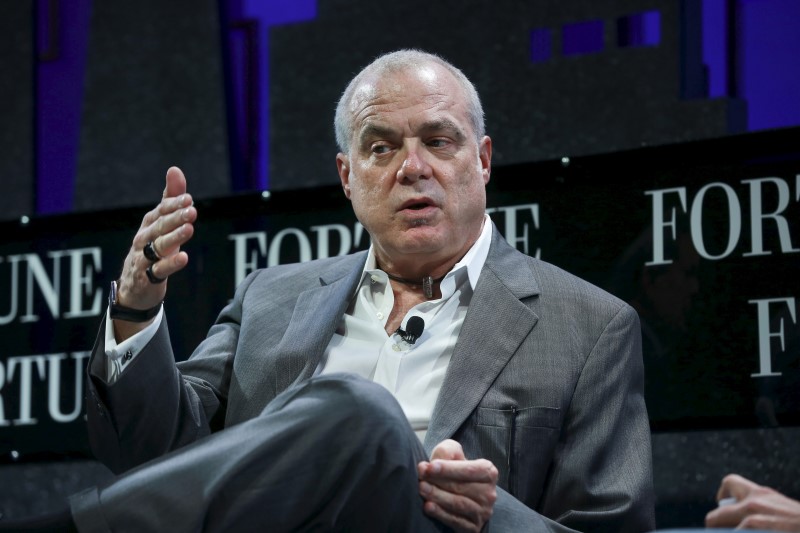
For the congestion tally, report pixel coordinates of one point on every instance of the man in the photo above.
(522, 375)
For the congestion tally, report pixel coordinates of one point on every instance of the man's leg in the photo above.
(333, 453)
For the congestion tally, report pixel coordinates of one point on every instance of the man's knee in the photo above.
(347, 407)
(349, 395)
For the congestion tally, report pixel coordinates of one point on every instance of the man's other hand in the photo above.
(756, 507)
(457, 492)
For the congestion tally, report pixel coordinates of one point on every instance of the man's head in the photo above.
(414, 159)
(394, 62)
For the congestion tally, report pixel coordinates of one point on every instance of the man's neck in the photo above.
(415, 267)
(405, 298)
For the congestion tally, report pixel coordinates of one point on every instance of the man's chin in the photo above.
(418, 241)
(423, 234)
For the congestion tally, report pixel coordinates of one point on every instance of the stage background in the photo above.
(607, 117)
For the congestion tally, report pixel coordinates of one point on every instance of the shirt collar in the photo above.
(473, 260)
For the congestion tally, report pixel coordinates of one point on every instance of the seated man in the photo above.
(522, 383)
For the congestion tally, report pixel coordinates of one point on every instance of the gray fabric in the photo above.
(545, 381)
(334, 453)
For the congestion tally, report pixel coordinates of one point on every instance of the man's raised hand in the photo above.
(166, 228)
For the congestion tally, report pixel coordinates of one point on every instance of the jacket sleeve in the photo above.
(154, 408)
(602, 475)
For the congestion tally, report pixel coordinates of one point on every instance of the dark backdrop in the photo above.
(99, 98)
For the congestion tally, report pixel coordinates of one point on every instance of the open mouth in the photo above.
(417, 204)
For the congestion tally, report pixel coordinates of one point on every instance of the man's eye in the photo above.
(380, 149)
(437, 143)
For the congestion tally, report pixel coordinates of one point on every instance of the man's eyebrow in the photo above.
(443, 124)
(379, 131)
(372, 131)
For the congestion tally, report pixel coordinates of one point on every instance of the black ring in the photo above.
(152, 277)
(150, 252)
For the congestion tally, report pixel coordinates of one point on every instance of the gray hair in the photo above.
(396, 62)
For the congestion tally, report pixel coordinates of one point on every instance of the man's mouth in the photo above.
(417, 204)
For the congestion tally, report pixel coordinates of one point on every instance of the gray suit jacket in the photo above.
(545, 381)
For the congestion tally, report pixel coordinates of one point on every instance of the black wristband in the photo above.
(120, 312)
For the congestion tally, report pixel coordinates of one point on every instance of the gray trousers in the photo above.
(334, 453)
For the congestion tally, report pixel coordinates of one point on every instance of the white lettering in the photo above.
(665, 219)
(83, 265)
(54, 386)
(517, 239)
(50, 290)
(46, 366)
(244, 264)
(757, 215)
(254, 250)
(660, 223)
(323, 240)
(274, 257)
(765, 334)
(734, 218)
(81, 277)
(25, 365)
(3, 420)
(14, 289)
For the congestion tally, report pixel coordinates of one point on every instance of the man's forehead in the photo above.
(427, 86)
(394, 83)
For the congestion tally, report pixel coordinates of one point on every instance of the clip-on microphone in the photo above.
(414, 328)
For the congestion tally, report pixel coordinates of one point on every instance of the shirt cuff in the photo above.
(120, 355)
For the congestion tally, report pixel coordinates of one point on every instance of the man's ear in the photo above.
(485, 155)
(343, 168)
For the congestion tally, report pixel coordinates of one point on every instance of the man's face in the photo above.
(415, 172)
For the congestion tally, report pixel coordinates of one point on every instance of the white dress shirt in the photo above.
(413, 373)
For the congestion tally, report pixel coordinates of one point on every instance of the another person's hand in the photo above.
(167, 227)
(756, 507)
(457, 492)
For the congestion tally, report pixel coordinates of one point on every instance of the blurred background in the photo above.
(99, 98)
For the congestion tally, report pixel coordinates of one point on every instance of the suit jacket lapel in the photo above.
(316, 315)
(495, 325)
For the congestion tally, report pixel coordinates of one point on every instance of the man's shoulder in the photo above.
(311, 270)
(556, 280)
(557, 284)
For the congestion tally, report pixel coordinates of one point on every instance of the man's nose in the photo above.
(415, 166)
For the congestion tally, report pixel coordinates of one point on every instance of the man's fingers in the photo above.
(166, 207)
(455, 522)
(771, 523)
(168, 244)
(482, 494)
(176, 183)
(457, 492)
(728, 516)
(456, 510)
(174, 203)
(167, 231)
(448, 449)
(478, 470)
(463, 492)
(736, 486)
(168, 266)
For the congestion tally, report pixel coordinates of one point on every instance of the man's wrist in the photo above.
(128, 314)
